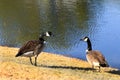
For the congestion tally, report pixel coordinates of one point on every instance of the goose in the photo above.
(94, 57)
(33, 48)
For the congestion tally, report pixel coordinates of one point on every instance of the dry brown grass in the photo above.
(50, 67)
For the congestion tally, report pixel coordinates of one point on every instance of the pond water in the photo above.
(69, 20)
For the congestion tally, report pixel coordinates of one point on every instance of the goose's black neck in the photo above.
(89, 48)
(41, 39)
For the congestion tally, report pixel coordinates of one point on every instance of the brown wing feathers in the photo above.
(29, 46)
(99, 58)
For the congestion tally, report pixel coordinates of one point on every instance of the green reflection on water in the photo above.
(23, 20)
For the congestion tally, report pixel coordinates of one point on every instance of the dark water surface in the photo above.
(69, 20)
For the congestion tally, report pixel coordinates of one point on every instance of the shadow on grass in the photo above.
(66, 67)
(114, 72)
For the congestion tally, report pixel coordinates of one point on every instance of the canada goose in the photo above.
(94, 57)
(33, 47)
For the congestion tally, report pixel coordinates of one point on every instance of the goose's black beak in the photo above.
(81, 39)
(52, 35)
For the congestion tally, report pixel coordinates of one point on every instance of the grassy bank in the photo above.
(50, 67)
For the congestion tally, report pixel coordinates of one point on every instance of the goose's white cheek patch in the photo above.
(47, 34)
(85, 39)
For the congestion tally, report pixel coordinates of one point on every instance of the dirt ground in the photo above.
(50, 67)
